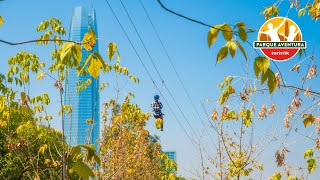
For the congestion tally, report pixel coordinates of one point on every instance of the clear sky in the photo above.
(186, 43)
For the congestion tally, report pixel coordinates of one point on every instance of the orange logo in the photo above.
(280, 39)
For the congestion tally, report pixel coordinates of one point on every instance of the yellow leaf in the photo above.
(308, 121)
(275, 176)
(213, 34)
(118, 56)
(242, 50)
(302, 12)
(43, 148)
(89, 81)
(55, 164)
(308, 153)
(242, 34)
(227, 32)
(89, 121)
(47, 161)
(312, 165)
(40, 76)
(171, 176)
(226, 93)
(89, 40)
(223, 53)
(88, 59)
(112, 48)
(1, 20)
(3, 124)
(94, 67)
(261, 64)
(232, 48)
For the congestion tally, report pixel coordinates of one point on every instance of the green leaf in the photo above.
(232, 48)
(308, 121)
(98, 56)
(312, 165)
(65, 51)
(82, 169)
(230, 115)
(262, 63)
(112, 48)
(223, 53)
(272, 82)
(226, 93)
(91, 152)
(243, 34)
(301, 51)
(241, 49)
(264, 77)
(94, 67)
(227, 32)
(241, 25)
(257, 70)
(213, 34)
(248, 119)
(89, 39)
(76, 52)
(76, 150)
(68, 51)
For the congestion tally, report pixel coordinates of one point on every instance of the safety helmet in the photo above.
(156, 97)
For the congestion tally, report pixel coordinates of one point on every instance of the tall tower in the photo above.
(85, 103)
(171, 155)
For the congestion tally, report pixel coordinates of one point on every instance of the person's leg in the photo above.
(162, 122)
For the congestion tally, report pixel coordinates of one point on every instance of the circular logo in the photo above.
(280, 39)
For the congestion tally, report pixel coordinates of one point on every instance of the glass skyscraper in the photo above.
(172, 155)
(85, 103)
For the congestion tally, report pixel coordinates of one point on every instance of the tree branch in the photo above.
(33, 41)
(194, 20)
(301, 89)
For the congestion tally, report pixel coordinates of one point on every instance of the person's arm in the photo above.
(160, 105)
(153, 106)
(278, 27)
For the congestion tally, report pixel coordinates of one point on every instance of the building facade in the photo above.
(85, 103)
(172, 155)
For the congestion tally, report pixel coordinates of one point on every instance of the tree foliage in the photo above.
(128, 150)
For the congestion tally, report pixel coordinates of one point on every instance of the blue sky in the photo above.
(187, 46)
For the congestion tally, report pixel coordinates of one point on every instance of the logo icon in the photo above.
(280, 39)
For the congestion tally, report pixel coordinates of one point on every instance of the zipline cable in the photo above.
(163, 83)
(171, 62)
(152, 61)
(144, 66)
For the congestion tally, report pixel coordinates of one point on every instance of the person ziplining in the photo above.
(157, 106)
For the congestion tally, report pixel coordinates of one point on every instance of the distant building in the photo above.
(172, 155)
(85, 104)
